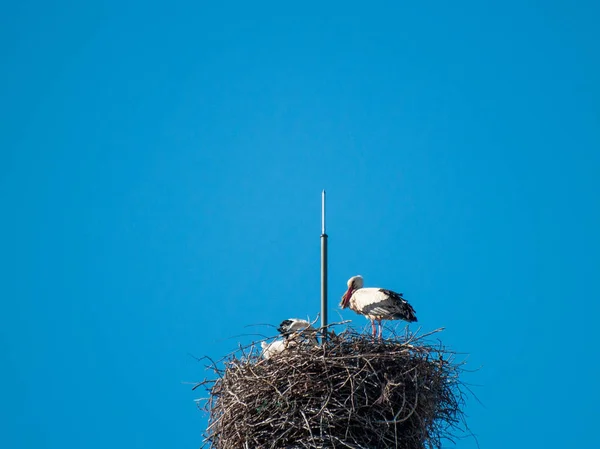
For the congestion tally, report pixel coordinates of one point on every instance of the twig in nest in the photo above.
(351, 391)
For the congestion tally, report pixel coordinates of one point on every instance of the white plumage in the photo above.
(273, 348)
(294, 331)
(296, 326)
(376, 304)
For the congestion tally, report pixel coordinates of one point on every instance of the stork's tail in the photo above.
(407, 313)
(404, 310)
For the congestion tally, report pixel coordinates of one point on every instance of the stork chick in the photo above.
(293, 331)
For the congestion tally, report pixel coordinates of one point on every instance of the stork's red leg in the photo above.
(380, 329)
(373, 327)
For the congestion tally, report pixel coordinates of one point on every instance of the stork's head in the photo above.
(295, 326)
(354, 283)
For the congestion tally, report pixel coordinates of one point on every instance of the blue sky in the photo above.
(160, 176)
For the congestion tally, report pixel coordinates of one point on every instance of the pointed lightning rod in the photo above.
(323, 268)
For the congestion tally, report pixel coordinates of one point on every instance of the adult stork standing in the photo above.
(293, 331)
(376, 304)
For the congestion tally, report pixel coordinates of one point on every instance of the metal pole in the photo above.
(323, 268)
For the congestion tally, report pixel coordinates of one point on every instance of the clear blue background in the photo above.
(160, 178)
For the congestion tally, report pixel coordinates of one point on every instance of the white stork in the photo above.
(273, 348)
(296, 327)
(376, 304)
(293, 331)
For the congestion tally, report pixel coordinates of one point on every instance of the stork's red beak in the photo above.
(346, 298)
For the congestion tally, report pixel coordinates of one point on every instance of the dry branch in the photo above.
(350, 392)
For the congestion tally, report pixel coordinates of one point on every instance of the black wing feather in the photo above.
(284, 327)
(404, 309)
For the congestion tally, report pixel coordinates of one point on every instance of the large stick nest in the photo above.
(350, 392)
